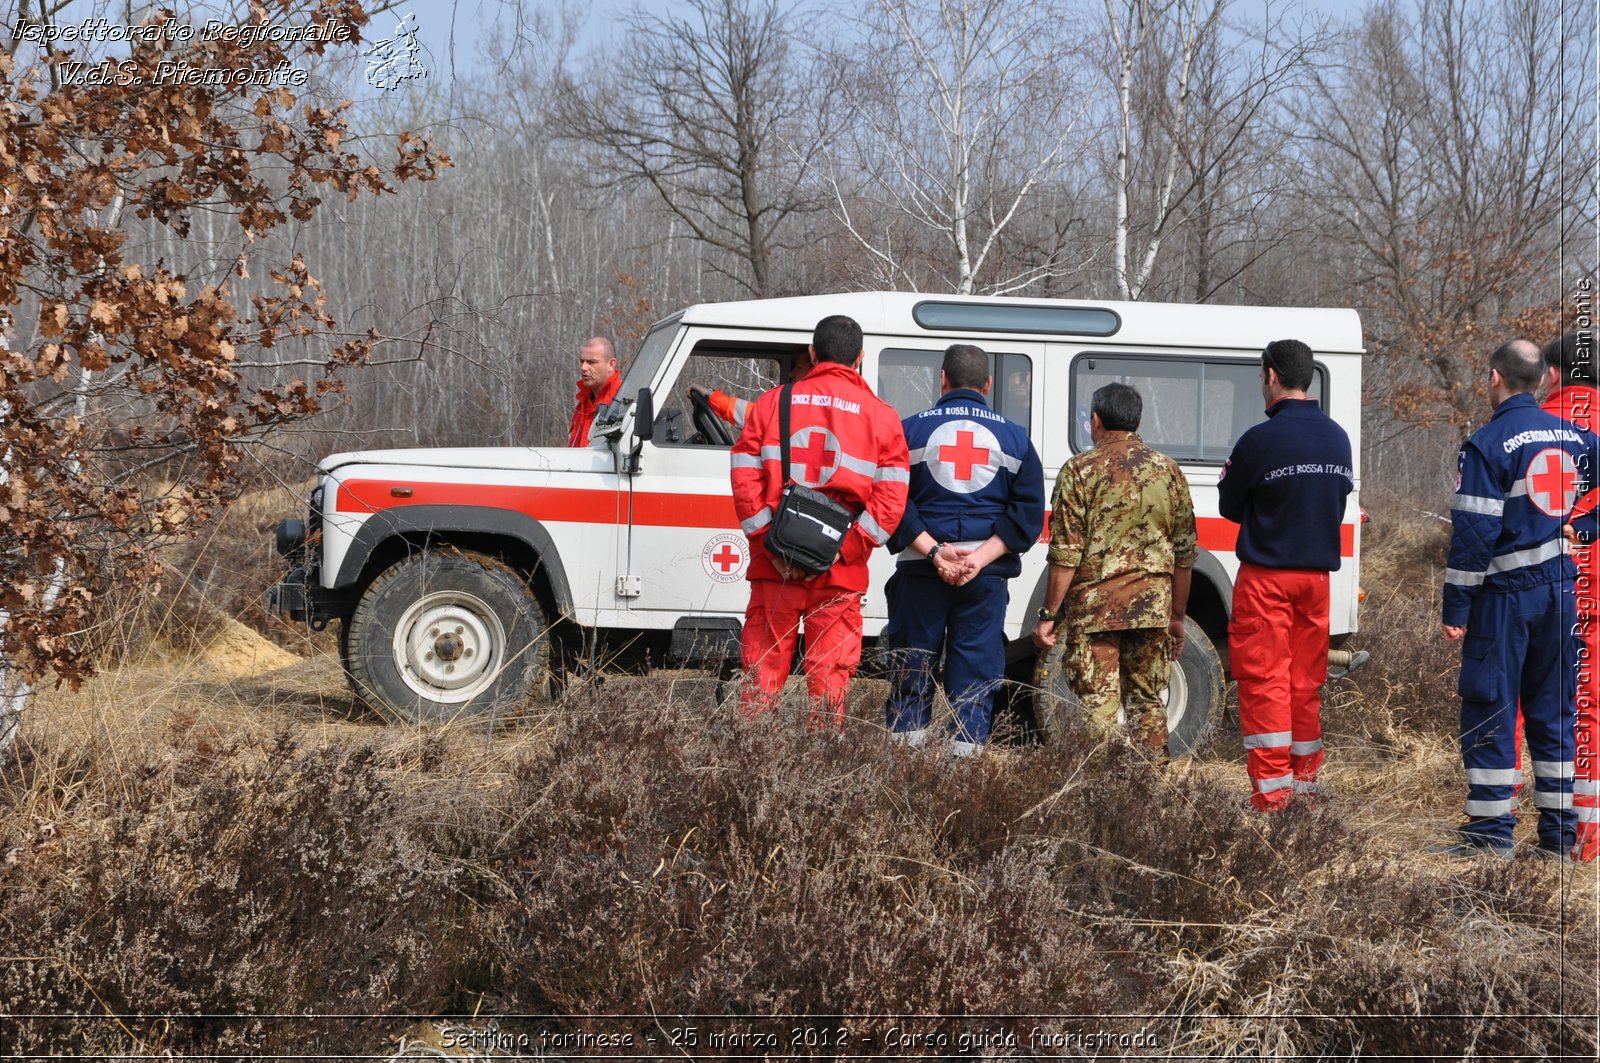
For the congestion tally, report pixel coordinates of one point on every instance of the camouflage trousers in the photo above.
(1124, 670)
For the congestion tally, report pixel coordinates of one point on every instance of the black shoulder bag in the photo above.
(809, 527)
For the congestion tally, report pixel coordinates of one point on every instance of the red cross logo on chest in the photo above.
(1552, 482)
(964, 455)
(816, 460)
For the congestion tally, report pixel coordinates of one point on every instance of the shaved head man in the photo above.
(598, 383)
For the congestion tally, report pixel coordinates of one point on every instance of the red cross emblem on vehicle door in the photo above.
(813, 456)
(724, 557)
(963, 456)
(1552, 482)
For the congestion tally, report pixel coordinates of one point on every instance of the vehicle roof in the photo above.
(1142, 324)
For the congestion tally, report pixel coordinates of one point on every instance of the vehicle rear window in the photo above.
(1194, 409)
(908, 380)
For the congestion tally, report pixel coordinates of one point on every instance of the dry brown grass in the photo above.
(633, 852)
(201, 833)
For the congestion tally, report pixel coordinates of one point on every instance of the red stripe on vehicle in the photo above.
(562, 504)
(1218, 534)
(653, 509)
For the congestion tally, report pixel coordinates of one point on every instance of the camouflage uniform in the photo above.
(1122, 518)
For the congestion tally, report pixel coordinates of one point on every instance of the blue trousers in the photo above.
(959, 631)
(1521, 645)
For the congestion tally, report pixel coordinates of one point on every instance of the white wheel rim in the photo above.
(1175, 699)
(449, 646)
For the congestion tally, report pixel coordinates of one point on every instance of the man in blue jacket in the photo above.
(1285, 486)
(976, 504)
(1508, 598)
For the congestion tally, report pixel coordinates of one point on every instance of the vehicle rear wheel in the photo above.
(1193, 698)
(446, 635)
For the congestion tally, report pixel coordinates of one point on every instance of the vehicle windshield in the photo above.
(642, 370)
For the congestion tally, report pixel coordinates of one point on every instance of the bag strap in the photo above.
(783, 427)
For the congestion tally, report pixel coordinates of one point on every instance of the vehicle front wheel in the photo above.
(1193, 697)
(446, 635)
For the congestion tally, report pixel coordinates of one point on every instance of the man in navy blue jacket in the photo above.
(1285, 486)
(1508, 598)
(976, 504)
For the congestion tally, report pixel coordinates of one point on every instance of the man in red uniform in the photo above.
(1570, 372)
(847, 443)
(1285, 486)
(598, 384)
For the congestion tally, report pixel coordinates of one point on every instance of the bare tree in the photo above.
(962, 110)
(706, 108)
(1191, 152)
(1437, 151)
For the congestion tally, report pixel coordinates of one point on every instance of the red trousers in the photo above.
(772, 621)
(1278, 648)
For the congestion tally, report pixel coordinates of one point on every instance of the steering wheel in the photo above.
(706, 422)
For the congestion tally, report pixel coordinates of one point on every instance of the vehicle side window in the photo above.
(908, 380)
(1194, 409)
(743, 372)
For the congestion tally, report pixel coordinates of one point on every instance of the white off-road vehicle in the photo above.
(469, 580)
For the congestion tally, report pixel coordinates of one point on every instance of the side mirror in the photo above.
(644, 415)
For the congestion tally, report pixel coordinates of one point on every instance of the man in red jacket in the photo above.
(847, 443)
(1570, 372)
(598, 384)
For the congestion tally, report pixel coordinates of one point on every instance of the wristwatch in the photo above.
(1045, 614)
(935, 551)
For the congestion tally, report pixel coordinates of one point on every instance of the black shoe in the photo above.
(1465, 850)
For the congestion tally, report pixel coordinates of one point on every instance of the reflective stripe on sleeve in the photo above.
(892, 475)
(757, 522)
(873, 529)
(1270, 740)
(745, 461)
(1460, 578)
(1489, 507)
(741, 410)
(1491, 777)
(1488, 808)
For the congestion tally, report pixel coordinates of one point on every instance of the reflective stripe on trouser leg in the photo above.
(1488, 749)
(833, 651)
(1258, 646)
